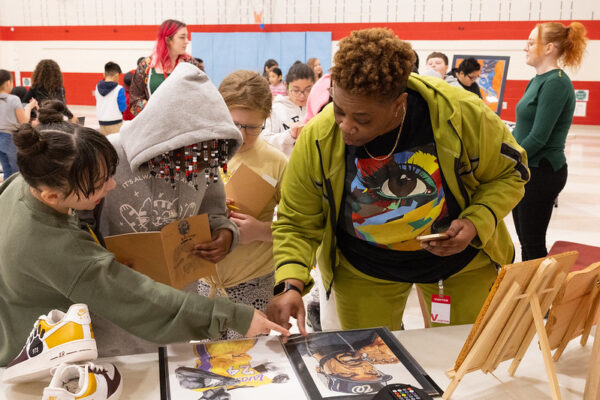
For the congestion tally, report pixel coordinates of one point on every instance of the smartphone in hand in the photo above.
(433, 236)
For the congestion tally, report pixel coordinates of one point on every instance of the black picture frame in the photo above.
(295, 347)
(490, 67)
(163, 374)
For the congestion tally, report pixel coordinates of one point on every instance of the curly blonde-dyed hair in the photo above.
(247, 89)
(373, 62)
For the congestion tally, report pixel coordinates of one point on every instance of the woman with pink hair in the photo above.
(169, 50)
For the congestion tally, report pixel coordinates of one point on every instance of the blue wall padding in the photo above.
(224, 53)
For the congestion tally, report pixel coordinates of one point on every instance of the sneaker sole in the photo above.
(40, 366)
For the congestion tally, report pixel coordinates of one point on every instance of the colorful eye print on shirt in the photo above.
(397, 199)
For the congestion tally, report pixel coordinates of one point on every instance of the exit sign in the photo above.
(582, 95)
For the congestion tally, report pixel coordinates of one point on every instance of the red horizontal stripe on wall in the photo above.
(487, 30)
(79, 87)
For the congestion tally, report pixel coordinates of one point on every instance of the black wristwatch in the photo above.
(283, 287)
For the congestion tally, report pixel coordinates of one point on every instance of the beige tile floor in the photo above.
(576, 219)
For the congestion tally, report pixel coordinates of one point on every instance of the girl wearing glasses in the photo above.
(287, 118)
(465, 76)
(246, 275)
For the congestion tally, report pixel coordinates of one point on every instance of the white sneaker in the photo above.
(56, 338)
(85, 382)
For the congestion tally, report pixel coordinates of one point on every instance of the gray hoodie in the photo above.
(186, 109)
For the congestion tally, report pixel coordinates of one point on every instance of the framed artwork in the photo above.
(338, 365)
(353, 364)
(492, 80)
(227, 370)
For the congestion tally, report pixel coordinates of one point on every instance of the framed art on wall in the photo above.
(492, 80)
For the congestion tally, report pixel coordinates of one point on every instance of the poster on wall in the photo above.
(492, 80)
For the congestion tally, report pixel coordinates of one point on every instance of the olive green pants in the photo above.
(364, 302)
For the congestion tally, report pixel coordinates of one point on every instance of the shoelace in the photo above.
(96, 369)
(34, 331)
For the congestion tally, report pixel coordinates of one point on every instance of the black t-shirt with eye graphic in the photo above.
(388, 203)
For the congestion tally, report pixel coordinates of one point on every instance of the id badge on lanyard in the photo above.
(440, 306)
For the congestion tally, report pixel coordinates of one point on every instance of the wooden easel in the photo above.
(575, 309)
(592, 384)
(511, 316)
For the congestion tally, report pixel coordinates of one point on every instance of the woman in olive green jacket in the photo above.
(359, 224)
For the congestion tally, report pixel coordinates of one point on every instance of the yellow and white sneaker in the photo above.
(56, 338)
(85, 382)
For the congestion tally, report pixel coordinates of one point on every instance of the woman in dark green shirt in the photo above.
(544, 115)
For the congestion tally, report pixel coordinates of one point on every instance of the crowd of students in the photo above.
(356, 183)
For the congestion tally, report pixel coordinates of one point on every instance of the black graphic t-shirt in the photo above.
(387, 203)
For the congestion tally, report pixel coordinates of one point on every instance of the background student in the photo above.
(315, 64)
(47, 84)
(287, 117)
(276, 84)
(436, 65)
(169, 50)
(466, 75)
(269, 65)
(110, 100)
(12, 114)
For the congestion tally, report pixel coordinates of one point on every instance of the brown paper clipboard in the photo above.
(249, 191)
(166, 256)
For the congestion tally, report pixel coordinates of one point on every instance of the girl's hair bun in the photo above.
(28, 141)
(51, 111)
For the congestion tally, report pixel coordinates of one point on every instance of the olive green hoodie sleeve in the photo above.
(154, 311)
(497, 172)
(47, 262)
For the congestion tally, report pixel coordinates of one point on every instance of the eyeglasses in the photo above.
(298, 92)
(473, 78)
(250, 129)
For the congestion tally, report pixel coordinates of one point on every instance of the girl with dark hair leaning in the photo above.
(48, 262)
